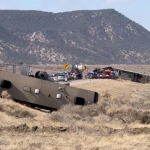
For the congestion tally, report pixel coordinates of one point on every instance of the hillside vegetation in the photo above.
(89, 36)
(119, 121)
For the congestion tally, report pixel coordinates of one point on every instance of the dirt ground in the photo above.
(119, 121)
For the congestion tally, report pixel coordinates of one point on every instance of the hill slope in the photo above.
(91, 37)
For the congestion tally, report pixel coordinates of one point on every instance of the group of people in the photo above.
(111, 73)
(106, 73)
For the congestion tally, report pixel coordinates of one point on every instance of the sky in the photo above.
(136, 10)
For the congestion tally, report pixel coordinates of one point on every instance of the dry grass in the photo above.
(5, 95)
(119, 121)
(14, 109)
(13, 113)
(72, 141)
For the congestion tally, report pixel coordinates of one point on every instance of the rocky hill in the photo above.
(91, 37)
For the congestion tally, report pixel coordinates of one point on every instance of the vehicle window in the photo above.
(52, 75)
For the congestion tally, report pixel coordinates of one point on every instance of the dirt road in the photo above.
(84, 81)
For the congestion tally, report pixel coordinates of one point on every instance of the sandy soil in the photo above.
(116, 88)
(120, 121)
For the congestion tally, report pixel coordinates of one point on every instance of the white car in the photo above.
(62, 77)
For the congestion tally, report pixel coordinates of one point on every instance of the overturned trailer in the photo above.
(43, 93)
(131, 75)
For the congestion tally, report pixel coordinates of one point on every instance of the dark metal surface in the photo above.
(23, 89)
(131, 75)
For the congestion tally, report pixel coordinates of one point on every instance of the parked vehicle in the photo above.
(100, 73)
(53, 78)
(69, 75)
(106, 74)
(74, 76)
(62, 77)
(90, 75)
